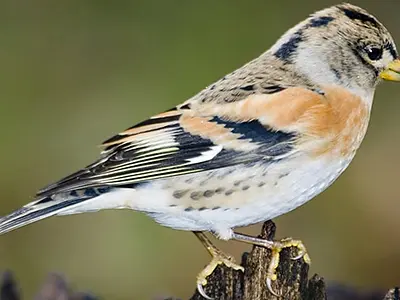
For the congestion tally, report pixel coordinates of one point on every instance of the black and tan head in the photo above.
(344, 45)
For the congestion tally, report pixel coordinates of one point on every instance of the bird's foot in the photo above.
(218, 258)
(276, 247)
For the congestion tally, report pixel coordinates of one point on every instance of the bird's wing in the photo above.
(190, 138)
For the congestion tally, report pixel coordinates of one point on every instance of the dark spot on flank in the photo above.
(237, 183)
(204, 182)
(226, 172)
(196, 195)
(229, 192)
(288, 48)
(189, 208)
(219, 190)
(321, 21)
(356, 15)
(216, 207)
(246, 187)
(74, 193)
(247, 87)
(179, 194)
(173, 205)
(208, 193)
(261, 184)
(283, 175)
(202, 208)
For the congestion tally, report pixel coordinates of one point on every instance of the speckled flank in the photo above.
(223, 189)
(239, 196)
(202, 196)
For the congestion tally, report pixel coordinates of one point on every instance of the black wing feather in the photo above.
(128, 160)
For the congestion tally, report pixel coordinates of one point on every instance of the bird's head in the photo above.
(343, 45)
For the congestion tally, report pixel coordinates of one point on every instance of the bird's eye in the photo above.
(374, 53)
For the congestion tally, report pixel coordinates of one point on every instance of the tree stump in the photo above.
(293, 282)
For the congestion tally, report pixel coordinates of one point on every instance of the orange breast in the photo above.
(337, 124)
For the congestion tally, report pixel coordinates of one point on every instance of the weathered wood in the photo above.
(292, 282)
(393, 294)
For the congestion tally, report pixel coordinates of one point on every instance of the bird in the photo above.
(254, 145)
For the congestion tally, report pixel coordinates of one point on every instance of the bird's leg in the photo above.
(218, 257)
(275, 247)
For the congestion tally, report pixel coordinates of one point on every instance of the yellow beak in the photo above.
(392, 71)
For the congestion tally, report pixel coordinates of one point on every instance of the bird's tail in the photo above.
(72, 202)
(37, 210)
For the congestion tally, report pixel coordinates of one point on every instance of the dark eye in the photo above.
(374, 53)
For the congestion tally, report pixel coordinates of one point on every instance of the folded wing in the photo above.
(180, 141)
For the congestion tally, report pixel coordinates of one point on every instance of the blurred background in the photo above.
(73, 73)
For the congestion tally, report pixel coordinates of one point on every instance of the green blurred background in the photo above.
(75, 72)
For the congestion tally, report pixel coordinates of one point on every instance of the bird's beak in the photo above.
(392, 71)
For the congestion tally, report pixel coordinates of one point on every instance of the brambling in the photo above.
(254, 145)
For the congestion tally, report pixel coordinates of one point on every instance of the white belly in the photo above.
(220, 200)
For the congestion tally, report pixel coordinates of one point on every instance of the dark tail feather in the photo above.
(35, 211)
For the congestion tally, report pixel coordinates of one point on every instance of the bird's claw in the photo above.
(270, 289)
(276, 248)
(201, 291)
(218, 258)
